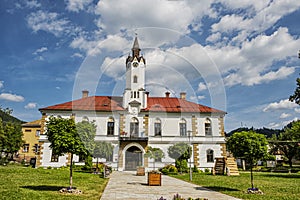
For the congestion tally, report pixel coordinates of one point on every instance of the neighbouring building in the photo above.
(136, 120)
(31, 134)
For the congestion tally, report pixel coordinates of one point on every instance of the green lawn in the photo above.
(18, 182)
(276, 186)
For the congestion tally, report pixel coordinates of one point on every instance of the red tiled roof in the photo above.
(98, 103)
(155, 104)
(172, 104)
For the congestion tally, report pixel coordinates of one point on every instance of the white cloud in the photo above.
(254, 21)
(200, 97)
(40, 50)
(32, 4)
(51, 22)
(176, 15)
(202, 87)
(11, 97)
(282, 104)
(78, 55)
(31, 105)
(297, 110)
(284, 115)
(77, 5)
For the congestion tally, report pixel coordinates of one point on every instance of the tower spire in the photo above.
(136, 48)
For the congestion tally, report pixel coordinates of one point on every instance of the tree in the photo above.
(288, 142)
(102, 150)
(249, 146)
(296, 96)
(66, 137)
(181, 152)
(154, 153)
(10, 139)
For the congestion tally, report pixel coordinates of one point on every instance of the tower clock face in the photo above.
(135, 64)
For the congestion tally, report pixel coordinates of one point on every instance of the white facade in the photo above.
(134, 123)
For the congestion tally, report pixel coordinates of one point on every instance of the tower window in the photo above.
(208, 129)
(134, 127)
(135, 79)
(210, 155)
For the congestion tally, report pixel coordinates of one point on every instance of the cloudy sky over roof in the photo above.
(239, 56)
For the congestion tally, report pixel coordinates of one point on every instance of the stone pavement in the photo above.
(126, 185)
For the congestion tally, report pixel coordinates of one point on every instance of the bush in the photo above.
(169, 169)
(195, 169)
(181, 165)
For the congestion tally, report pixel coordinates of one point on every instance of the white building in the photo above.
(136, 120)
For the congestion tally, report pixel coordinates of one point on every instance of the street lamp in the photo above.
(190, 163)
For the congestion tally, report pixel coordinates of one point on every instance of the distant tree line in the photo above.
(10, 135)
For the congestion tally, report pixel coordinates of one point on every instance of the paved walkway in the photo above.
(126, 185)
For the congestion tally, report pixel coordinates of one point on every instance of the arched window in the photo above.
(135, 79)
(182, 127)
(134, 127)
(85, 118)
(157, 127)
(208, 130)
(210, 155)
(110, 126)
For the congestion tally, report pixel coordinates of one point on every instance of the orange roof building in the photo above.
(136, 120)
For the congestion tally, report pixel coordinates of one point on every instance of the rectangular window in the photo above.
(54, 158)
(25, 148)
(182, 127)
(208, 130)
(37, 133)
(36, 148)
(110, 128)
(157, 129)
(134, 129)
(27, 130)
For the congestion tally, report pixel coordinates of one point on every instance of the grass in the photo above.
(24, 183)
(276, 186)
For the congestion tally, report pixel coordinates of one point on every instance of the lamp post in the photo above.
(190, 163)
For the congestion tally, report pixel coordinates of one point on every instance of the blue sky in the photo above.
(234, 55)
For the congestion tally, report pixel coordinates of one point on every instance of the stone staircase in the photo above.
(222, 163)
(232, 169)
(219, 168)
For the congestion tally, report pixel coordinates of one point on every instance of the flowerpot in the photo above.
(140, 171)
(154, 178)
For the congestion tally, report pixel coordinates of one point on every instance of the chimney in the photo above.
(85, 93)
(147, 93)
(167, 94)
(182, 95)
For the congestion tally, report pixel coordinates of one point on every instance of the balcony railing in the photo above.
(132, 137)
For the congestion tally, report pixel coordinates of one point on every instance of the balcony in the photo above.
(132, 137)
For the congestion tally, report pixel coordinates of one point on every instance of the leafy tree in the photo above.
(181, 152)
(249, 146)
(102, 150)
(10, 139)
(66, 137)
(288, 142)
(296, 96)
(154, 153)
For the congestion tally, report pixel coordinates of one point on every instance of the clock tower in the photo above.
(134, 97)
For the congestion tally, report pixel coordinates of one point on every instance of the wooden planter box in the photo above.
(140, 171)
(154, 178)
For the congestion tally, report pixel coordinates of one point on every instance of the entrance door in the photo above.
(133, 158)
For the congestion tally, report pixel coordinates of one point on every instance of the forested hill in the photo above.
(266, 131)
(8, 118)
